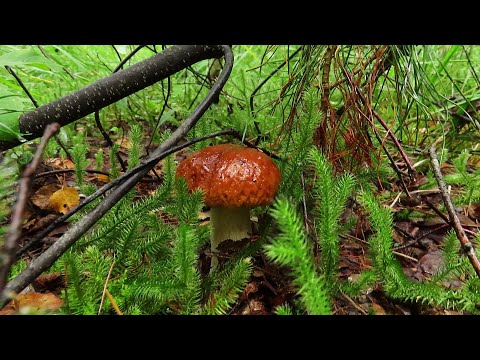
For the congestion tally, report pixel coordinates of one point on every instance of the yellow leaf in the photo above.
(38, 301)
(102, 178)
(63, 200)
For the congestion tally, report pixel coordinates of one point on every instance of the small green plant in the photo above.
(292, 248)
(79, 154)
(461, 176)
(8, 175)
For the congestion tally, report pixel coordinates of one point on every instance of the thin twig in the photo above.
(466, 244)
(105, 288)
(129, 56)
(63, 171)
(48, 57)
(353, 303)
(165, 103)
(34, 102)
(15, 229)
(437, 211)
(264, 81)
(416, 240)
(381, 121)
(108, 139)
(20, 82)
(114, 303)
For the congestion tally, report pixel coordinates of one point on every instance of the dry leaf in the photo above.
(58, 163)
(378, 309)
(42, 195)
(64, 199)
(38, 301)
(102, 178)
(431, 262)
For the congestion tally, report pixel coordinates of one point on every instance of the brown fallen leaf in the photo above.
(102, 178)
(378, 309)
(42, 195)
(38, 301)
(58, 163)
(63, 200)
(51, 282)
(255, 307)
(431, 262)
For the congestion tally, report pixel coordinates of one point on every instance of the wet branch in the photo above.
(7, 256)
(457, 226)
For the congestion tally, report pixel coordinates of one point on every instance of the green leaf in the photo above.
(9, 126)
(24, 57)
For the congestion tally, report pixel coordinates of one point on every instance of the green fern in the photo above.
(292, 249)
(227, 286)
(114, 169)
(8, 176)
(79, 155)
(135, 138)
(331, 195)
(297, 146)
(283, 309)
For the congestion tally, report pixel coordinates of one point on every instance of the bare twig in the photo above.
(114, 303)
(22, 85)
(15, 229)
(34, 102)
(381, 121)
(466, 244)
(48, 57)
(105, 287)
(63, 171)
(354, 303)
(108, 140)
(45, 260)
(264, 81)
(165, 103)
(416, 240)
(129, 56)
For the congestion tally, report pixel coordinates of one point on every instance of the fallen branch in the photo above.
(7, 256)
(46, 260)
(455, 222)
(109, 90)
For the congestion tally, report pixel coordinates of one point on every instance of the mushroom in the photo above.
(234, 179)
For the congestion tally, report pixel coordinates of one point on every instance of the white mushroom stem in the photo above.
(228, 224)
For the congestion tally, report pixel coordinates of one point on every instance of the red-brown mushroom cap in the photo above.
(231, 176)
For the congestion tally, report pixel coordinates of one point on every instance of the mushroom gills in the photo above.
(228, 224)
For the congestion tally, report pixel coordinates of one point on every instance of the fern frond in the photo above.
(135, 138)
(283, 309)
(291, 248)
(297, 145)
(331, 195)
(187, 205)
(228, 285)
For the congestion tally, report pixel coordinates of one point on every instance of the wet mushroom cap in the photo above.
(231, 176)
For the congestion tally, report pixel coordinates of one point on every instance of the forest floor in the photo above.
(417, 244)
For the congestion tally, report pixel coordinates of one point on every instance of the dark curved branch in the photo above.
(34, 102)
(44, 261)
(7, 254)
(110, 89)
(129, 56)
